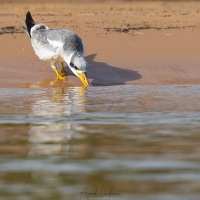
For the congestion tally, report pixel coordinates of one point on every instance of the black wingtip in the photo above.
(29, 22)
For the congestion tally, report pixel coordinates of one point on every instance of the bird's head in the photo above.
(78, 66)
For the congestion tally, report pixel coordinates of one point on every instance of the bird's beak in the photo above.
(83, 78)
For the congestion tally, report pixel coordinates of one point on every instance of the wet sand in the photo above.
(127, 42)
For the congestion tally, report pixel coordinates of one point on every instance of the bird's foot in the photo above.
(59, 77)
(63, 74)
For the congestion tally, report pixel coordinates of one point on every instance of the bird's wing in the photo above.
(45, 48)
(49, 43)
(68, 39)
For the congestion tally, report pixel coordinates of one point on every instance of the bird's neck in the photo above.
(69, 58)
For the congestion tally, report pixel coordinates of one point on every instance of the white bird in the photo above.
(58, 46)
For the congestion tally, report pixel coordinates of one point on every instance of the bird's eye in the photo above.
(72, 65)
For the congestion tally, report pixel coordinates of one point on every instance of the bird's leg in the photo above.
(63, 72)
(59, 77)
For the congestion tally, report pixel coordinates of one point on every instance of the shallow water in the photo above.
(122, 142)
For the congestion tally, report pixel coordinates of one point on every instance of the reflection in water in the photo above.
(61, 102)
(141, 142)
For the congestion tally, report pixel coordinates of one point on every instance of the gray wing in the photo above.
(71, 41)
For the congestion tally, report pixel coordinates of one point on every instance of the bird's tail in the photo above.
(29, 22)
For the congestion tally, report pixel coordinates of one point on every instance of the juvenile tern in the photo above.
(58, 45)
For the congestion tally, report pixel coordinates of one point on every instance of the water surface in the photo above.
(121, 142)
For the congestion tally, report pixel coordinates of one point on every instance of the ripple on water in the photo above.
(136, 140)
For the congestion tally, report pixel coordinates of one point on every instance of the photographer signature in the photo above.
(98, 194)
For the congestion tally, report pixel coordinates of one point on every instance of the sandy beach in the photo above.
(127, 42)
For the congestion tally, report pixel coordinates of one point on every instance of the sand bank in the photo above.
(126, 42)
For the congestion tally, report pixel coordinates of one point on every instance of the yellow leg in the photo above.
(59, 77)
(63, 72)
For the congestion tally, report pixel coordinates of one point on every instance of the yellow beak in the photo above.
(83, 78)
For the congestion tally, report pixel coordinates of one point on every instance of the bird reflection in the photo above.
(55, 113)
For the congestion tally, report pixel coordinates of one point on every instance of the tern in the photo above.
(58, 45)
